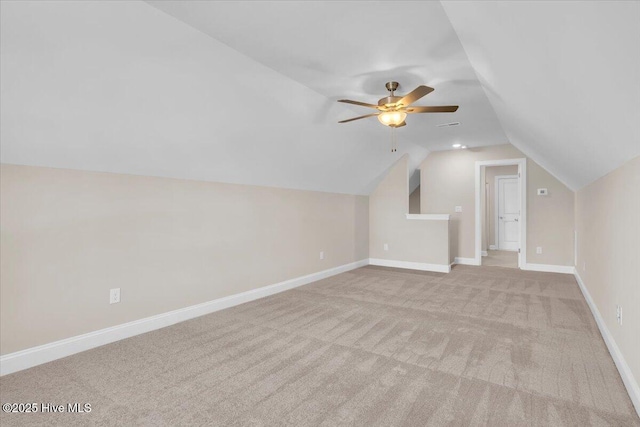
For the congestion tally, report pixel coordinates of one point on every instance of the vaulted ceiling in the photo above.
(562, 76)
(245, 92)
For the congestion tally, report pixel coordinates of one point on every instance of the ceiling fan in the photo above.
(393, 110)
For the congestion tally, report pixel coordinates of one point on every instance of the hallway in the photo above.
(507, 259)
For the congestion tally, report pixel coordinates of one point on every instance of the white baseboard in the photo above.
(493, 247)
(484, 253)
(438, 268)
(34, 356)
(548, 268)
(464, 261)
(625, 371)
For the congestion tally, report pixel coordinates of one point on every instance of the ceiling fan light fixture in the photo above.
(392, 110)
(392, 118)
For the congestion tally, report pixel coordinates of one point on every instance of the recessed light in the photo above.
(456, 145)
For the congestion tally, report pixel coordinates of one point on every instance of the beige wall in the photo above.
(608, 249)
(408, 240)
(447, 180)
(488, 202)
(69, 236)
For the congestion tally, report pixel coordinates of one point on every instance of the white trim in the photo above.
(496, 208)
(566, 269)
(623, 368)
(34, 356)
(438, 268)
(485, 253)
(465, 261)
(522, 172)
(436, 217)
(575, 248)
(501, 162)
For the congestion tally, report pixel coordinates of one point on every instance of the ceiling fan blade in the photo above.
(363, 104)
(415, 94)
(440, 109)
(358, 118)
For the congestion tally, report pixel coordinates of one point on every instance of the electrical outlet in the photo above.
(619, 314)
(458, 208)
(386, 246)
(321, 254)
(539, 250)
(114, 296)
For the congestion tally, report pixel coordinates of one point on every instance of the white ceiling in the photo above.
(563, 77)
(351, 49)
(123, 87)
(245, 92)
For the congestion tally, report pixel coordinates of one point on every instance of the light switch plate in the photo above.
(458, 208)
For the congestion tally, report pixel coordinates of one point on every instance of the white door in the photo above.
(508, 209)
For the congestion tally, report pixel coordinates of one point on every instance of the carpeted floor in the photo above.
(500, 259)
(372, 347)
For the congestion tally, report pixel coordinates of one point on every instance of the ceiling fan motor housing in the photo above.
(388, 100)
(391, 99)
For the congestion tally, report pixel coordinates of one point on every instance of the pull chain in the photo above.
(394, 142)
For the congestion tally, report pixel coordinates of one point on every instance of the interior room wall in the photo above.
(408, 240)
(448, 180)
(69, 236)
(608, 244)
(488, 202)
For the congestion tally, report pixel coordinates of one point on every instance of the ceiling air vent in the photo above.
(444, 125)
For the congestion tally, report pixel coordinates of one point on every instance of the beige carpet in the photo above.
(500, 259)
(372, 347)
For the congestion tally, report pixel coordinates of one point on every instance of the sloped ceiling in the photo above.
(122, 87)
(245, 92)
(563, 78)
(351, 49)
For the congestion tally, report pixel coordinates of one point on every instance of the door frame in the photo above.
(496, 208)
(522, 173)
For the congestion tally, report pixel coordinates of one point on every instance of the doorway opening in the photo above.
(501, 213)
